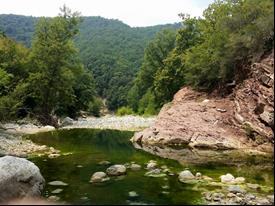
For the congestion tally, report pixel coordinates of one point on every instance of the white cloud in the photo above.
(132, 12)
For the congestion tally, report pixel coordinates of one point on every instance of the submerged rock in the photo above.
(133, 194)
(186, 175)
(58, 183)
(151, 165)
(104, 162)
(116, 170)
(155, 173)
(53, 198)
(56, 191)
(135, 167)
(19, 178)
(51, 156)
(99, 177)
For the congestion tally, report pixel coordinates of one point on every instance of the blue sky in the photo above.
(131, 12)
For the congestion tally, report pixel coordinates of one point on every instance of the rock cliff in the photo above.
(243, 119)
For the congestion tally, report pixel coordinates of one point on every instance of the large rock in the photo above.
(67, 122)
(190, 122)
(228, 178)
(116, 170)
(19, 178)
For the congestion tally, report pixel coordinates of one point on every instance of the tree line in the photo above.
(54, 78)
(110, 49)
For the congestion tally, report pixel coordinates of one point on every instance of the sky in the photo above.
(132, 12)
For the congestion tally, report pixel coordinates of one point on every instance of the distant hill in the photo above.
(108, 47)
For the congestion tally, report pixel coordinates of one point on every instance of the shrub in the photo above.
(124, 111)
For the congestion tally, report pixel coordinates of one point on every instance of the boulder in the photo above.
(116, 170)
(186, 175)
(67, 121)
(99, 177)
(235, 189)
(19, 178)
(228, 178)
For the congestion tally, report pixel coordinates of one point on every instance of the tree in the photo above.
(55, 65)
(154, 56)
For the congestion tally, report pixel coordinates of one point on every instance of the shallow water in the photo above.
(89, 147)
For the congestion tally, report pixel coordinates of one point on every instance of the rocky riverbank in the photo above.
(126, 123)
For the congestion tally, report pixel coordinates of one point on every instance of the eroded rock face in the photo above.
(19, 178)
(197, 120)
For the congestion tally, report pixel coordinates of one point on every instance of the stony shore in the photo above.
(128, 123)
(12, 143)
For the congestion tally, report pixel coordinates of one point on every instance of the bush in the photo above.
(124, 111)
(95, 107)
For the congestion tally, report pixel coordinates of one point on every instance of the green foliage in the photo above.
(95, 106)
(13, 63)
(234, 33)
(155, 54)
(147, 104)
(208, 53)
(50, 80)
(109, 48)
(122, 111)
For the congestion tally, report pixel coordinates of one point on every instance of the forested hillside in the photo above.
(207, 53)
(47, 80)
(112, 50)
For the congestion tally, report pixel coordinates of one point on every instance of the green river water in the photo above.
(87, 147)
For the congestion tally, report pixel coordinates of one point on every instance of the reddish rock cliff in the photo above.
(243, 119)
